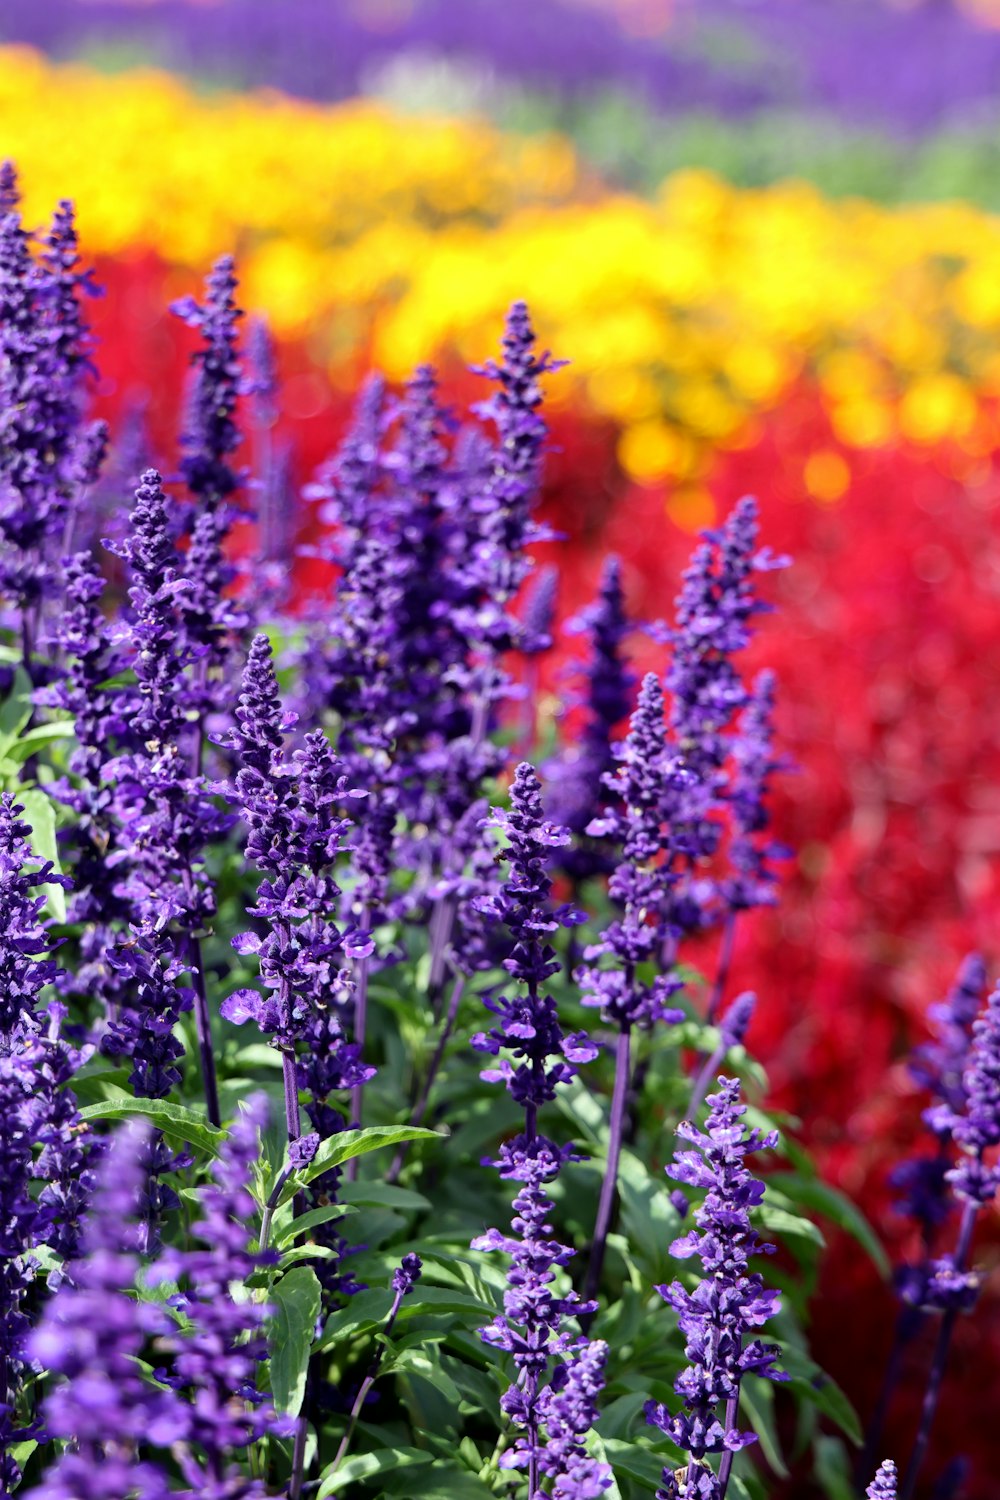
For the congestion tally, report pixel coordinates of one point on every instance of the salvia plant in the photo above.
(365, 1124)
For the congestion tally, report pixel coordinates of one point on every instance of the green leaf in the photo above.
(443, 1481)
(787, 1225)
(619, 1415)
(296, 1301)
(635, 1462)
(833, 1468)
(173, 1120)
(813, 1385)
(810, 1192)
(597, 1449)
(15, 711)
(757, 1401)
(36, 739)
(40, 812)
(311, 1220)
(422, 1361)
(365, 1310)
(366, 1465)
(350, 1143)
(382, 1195)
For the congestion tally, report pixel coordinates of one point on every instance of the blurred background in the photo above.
(763, 234)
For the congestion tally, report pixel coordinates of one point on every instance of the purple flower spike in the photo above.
(580, 777)
(23, 970)
(753, 879)
(44, 344)
(406, 1275)
(978, 1129)
(883, 1486)
(713, 623)
(641, 880)
(93, 1333)
(719, 1317)
(530, 1327)
(540, 611)
(528, 1021)
(213, 433)
(569, 1410)
(218, 1353)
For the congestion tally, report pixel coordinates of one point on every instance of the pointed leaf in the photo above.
(365, 1465)
(811, 1193)
(296, 1301)
(39, 811)
(337, 1149)
(173, 1120)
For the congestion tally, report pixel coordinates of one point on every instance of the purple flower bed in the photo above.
(870, 64)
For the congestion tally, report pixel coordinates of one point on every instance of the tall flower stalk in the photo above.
(531, 1328)
(639, 888)
(952, 1287)
(167, 817)
(719, 1318)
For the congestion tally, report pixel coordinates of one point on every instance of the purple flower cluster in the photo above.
(719, 1317)
(528, 1023)
(294, 810)
(92, 1334)
(713, 622)
(204, 1406)
(939, 1067)
(530, 1329)
(219, 1347)
(48, 456)
(24, 972)
(640, 884)
(580, 777)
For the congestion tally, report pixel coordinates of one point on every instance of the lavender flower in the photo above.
(727, 1305)
(528, 1021)
(714, 615)
(568, 1407)
(92, 1333)
(220, 1343)
(883, 1486)
(213, 434)
(43, 358)
(583, 770)
(20, 1224)
(934, 1282)
(295, 834)
(66, 1161)
(156, 583)
(753, 878)
(974, 1181)
(939, 1067)
(23, 971)
(166, 814)
(539, 611)
(530, 1327)
(212, 622)
(642, 878)
(640, 887)
(506, 507)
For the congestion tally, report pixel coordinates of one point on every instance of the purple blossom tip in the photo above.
(883, 1486)
(406, 1275)
(303, 1150)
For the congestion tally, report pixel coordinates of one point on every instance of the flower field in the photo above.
(419, 788)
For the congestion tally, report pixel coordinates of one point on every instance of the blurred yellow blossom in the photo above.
(405, 237)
